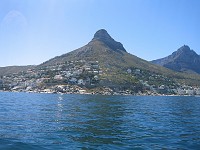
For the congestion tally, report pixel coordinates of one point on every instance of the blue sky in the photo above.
(33, 31)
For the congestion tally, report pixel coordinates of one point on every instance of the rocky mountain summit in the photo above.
(182, 60)
(103, 36)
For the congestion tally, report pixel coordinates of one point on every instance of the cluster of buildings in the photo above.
(84, 77)
(45, 78)
(155, 84)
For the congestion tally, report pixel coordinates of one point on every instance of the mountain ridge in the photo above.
(182, 60)
(14, 69)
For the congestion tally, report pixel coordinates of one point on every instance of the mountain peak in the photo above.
(186, 51)
(103, 36)
(184, 60)
(184, 48)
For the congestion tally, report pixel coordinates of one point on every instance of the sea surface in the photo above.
(30, 121)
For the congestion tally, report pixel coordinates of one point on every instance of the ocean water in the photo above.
(53, 121)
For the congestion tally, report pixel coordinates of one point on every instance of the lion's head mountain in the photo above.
(104, 66)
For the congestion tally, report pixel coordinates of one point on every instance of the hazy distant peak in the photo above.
(184, 60)
(185, 50)
(185, 47)
(103, 36)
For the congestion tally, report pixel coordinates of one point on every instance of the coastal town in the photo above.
(86, 77)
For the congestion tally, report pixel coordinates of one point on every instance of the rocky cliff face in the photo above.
(103, 36)
(183, 60)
